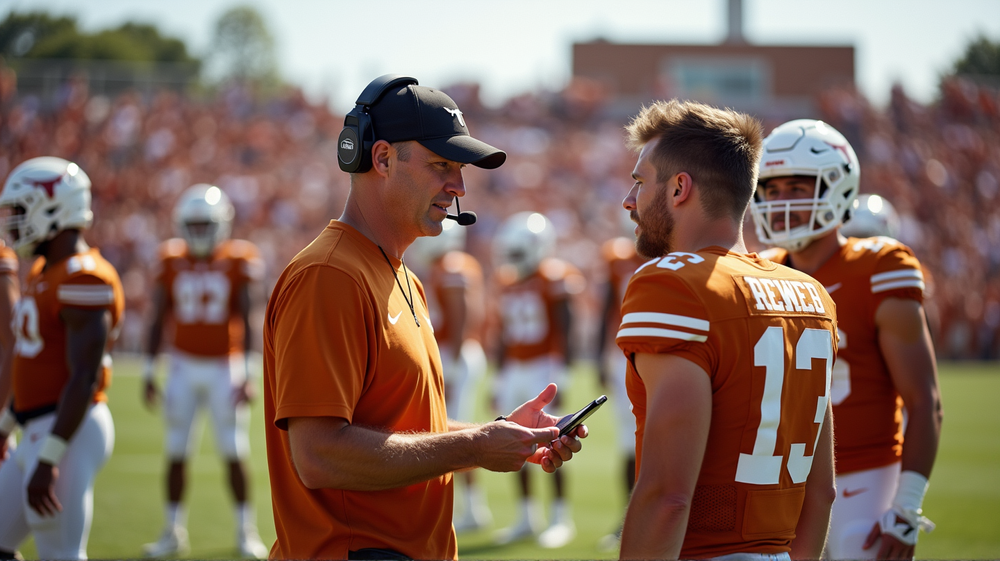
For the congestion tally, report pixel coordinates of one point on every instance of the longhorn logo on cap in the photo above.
(457, 113)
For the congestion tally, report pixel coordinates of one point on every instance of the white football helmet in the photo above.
(523, 241)
(203, 217)
(42, 197)
(806, 147)
(872, 216)
(424, 250)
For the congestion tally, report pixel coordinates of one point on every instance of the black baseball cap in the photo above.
(434, 120)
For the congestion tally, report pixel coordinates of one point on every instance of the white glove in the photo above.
(905, 524)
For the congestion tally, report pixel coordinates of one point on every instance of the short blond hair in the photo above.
(719, 148)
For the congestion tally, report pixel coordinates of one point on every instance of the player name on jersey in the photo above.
(779, 296)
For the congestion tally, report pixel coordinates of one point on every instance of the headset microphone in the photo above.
(463, 218)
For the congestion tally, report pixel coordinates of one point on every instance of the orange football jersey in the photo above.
(528, 307)
(85, 280)
(867, 410)
(766, 336)
(622, 261)
(456, 269)
(202, 294)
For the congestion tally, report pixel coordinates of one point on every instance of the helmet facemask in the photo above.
(825, 214)
(524, 241)
(203, 218)
(201, 237)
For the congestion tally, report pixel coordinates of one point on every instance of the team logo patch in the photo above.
(456, 113)
(48, 186)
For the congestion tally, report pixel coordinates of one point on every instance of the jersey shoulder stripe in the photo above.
(630, 320)
(903, 278)
(666, 319)
(86, 294)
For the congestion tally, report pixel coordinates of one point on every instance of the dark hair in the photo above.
(719, 148)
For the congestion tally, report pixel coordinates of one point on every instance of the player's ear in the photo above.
(381, 153)
(683, 187)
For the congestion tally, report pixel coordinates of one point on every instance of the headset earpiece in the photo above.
(354, 146)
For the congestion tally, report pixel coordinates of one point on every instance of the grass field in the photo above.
(963, 500)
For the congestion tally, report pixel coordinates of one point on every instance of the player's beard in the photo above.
(656, 227)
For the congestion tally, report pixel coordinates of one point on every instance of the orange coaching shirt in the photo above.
(867, 410)
(340, 341)
(202, 295)
(766, 336)
(41, 368)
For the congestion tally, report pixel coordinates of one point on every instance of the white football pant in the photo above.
(195, 383)
(64, 535)
(520, 381)
(462, 379)
(617, 366)
(862, 498)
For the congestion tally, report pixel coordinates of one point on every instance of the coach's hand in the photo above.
(505, 446)
(557, 450)
(42, 490)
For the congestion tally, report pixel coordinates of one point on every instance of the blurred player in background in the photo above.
(206, 286)
(535, 322)
(65, 322)
(455, 300)
(809, 179)
(9, 291)
(871, 216)
(621, 260)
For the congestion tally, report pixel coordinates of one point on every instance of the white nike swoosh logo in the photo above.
(393, 320)
(831, 288)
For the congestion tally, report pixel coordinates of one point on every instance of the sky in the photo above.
(333, 48)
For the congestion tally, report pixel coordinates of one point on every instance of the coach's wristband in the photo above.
(911, 490)
(53, 450)
(149, 368)
(7, 421)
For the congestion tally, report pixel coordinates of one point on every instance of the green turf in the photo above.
(963, 499)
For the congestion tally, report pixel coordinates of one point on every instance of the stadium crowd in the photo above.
(939, 164)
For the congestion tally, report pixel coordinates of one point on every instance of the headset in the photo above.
(354, 146)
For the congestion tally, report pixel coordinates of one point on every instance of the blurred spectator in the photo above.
(276, 158)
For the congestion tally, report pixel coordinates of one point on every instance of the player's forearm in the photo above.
(361, 459)
(923, 432)
(655, 523)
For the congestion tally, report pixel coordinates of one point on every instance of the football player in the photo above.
(621, 260)
(871, 216)
(730, 356)
(8, 298)
(808, 182)
(455, 300)
(206, 286)
(67, 317)
(535, 318)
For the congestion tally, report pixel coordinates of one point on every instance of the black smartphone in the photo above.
(569, 423)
